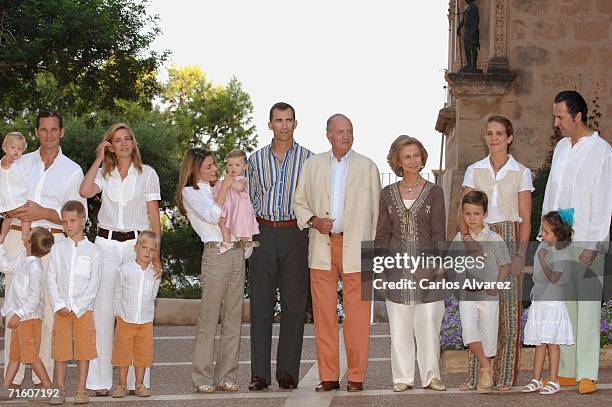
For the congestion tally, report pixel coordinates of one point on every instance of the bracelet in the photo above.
(521, 255)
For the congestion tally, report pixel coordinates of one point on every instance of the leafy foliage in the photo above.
(539, 183)
(216, 118)
(76, 56)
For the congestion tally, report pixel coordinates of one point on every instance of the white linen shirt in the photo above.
(124, 202)
(53, 187)
(203, 212)
(25, 295)
(338, 174)
(13, 188)
(74, 275)
(581, 178)
(135, 293)
(494, 214)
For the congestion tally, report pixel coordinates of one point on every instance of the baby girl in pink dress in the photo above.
(237, 216)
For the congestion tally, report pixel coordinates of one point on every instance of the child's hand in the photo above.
(13, 323)
(64, 312)
(227, 181)
(542, 254)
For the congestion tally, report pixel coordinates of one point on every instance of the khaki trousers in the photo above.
(222, 292)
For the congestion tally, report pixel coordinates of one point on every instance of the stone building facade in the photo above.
(529, 51)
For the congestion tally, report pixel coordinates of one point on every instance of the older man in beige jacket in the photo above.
(337, 198)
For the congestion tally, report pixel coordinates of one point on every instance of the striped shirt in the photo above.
(272, 182)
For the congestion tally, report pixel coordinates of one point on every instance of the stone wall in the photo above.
(555, 45)
(551, 45)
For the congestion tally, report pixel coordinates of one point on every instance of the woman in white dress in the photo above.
(130, 204)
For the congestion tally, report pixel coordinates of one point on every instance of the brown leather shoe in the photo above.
(286, 382)
(257, 384)
(328, 385)
(354, 386)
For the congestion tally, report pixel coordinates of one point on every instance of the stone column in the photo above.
(498, 60)
(475, 96)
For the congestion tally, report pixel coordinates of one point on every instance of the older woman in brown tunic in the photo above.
(412, 216)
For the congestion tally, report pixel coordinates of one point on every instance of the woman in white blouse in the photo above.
(508, 186)
(130, 203)
(222, 274)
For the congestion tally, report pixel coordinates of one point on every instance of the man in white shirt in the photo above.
(337, 196)
(581, 178)
(52, 179)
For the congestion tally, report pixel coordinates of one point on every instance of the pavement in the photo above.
(171, 381)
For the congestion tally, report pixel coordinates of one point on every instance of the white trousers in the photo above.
(420, 322)
(100, 375)
(479, 322)
(13, 246)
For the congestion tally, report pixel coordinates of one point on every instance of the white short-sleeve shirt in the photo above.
(124, 202)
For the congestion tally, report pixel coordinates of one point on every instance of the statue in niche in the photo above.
(471, 36)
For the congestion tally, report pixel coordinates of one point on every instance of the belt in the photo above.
(52, 230)
(114, 235)
(238, 244)
(336, 234)
(473, 290)
(278, 223)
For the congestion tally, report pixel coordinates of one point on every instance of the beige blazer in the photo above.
(311, 198)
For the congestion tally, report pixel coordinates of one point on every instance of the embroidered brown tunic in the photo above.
(411, 230)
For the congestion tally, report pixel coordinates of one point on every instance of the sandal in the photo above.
(534, 385)
(503, 388)
(550, 388)
(466, 387)
(205, 388)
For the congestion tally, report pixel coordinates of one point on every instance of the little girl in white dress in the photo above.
(548, 324)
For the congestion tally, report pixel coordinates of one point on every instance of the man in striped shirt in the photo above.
(282, 259)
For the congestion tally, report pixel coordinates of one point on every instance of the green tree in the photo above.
(214, 117)
(95, 51)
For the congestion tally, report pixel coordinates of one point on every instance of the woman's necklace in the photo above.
(409, 187)
(497, 168)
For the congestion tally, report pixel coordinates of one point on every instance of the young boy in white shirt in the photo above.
(72, 283)
(134, 304)
(23, 307)
(479, 311)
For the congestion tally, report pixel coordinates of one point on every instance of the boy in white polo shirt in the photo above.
(23, 306)
(479, 311)
(134, 303)
(72, 283)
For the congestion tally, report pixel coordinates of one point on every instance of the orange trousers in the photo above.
(324, 288)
